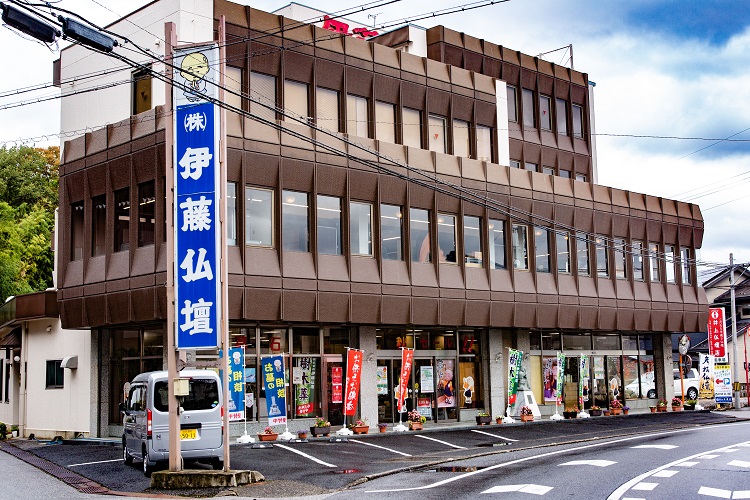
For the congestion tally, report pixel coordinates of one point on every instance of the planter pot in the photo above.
(625, 412)
(302, 435)
(652, 408)
(615, 411)
(498, 421)
(415, 426)
(382, 428)
(320, 431)
(661, 409)
(677, 408)
(690, 407)
(484, 420)
(267, 437)
(605, 413)
(360, 429)
(573, 414)
(527, 418)
(594, 413)
(14, 434)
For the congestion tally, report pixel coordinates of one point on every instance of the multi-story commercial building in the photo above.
(442, 200)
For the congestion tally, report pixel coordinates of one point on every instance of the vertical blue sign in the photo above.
(236, 383)
(272, 368)
(197, 281)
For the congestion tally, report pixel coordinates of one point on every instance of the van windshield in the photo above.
(204, 395)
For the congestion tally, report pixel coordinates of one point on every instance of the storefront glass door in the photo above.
(333, 389)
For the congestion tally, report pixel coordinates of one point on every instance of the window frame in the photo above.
(323, 118)
(354, 226)
(545, 119)
(516, 247)
(441, 123)
(636, 249)
(55, 374)
(602, 256)
(528, 108)
(264, 82)
(578, 126)
(416, 257)
(407, 139)
(120, 226)
(385, 126)
(583, 248)
(356, 125)
(561, 114)
(484, 143)
(248, 216)
(400, 217)
(442, 223)
(542, 245)
(670, 250)
(339, 247)
(654, 262)
(461, 140)
(468, 259)
(77, 223)
(562, 247)
(493, 258)
(512, 97)
(686, 268)
(288, 197)
(143, 201)
(621, 269)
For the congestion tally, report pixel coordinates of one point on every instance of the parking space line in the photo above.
(304, 455)
(441, 442)
(493, 435)
(93, 463)
(381, 447)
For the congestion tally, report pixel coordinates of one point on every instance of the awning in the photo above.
(13, 339)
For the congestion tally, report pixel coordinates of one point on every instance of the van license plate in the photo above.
(188, 434)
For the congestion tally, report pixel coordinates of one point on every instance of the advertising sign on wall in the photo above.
(337, 384)
(426, 380)
(382, 380)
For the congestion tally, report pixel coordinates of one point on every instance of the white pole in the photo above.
(734, 332)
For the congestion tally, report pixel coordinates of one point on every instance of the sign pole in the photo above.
(734, 331)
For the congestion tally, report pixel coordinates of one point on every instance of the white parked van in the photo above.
(146, 420)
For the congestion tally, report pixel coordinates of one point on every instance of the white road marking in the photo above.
(741, 494)
(729, 450)
(739, 463)
(686, 464)
(381, 447)
(645, 486)
(304, 455)
(665, 473)
(597, 463)
(656, 446)
(493, 435)
(714, 492)
(534, 489)
(92, 463)
(441, 442)
(707, 457)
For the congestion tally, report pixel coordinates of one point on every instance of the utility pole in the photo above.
(734, 334)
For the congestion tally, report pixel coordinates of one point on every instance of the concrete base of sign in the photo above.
(344, 432)
(286, 436)
(245, 438)
(557, 416)
(400, 428)
(189, 479)
(583, 414)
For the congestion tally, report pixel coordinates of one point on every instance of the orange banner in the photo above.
(407, 356)
(353, 375)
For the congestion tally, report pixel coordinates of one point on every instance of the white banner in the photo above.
(722, 383)
(706, 390)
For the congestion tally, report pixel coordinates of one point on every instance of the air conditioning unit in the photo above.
(71, 362)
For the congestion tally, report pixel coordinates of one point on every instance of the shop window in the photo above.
(602, 257)
(393, 338)
(153, 342)
(654, 266)
(273, 341)
(336, 340)
(471, 390)
(606, 342)
(294, 221)
(512, 103)
(356, 116)
(360, 228)
(263, 96)
(685, 261)
(565, 174)
(669, 262)
(620, 268)
(447, 238)
(548, 170)
(520, 247)
(577, 121)
(55, 374)
(327, 109)
(305, 340)
(582, 254)
(146, 213)
(472, 241)
(296, 105)
(461, 139)
(122, 220)
(497, 244)
(412, 127)
(419, 235)
(562, 242)
(385, 122)
(437, 133)
(561, 110)
(141, 88)
(329, 225)
(233, 83)
(259, 217)
(551, 341)
(531, 167)
(535, 341)
(636, 249)
(391, 247)
(76, 230)
(527, 103)
(484, 143)
(545, 114)
(541, 250)
(577, 342)
(231, 213)
(98, 225)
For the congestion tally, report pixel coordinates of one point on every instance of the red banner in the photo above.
(717, 338)
(407, 356)
(336, 386)
(353, 375)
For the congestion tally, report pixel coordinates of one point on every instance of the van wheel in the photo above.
(692, 393)
(147, 468)
(651, 394)
(126, 458)
(217, 464)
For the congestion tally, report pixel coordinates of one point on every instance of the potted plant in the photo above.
(676, 404)
(652, 408)
(3, 430)
(382, 427)
(416, 420)
(360, 426)
(595, 411)
(14, 430)
(483, 418)
(605, 412)
(321, 428)
(526, 414)
(625, 410)
(615, 407)
(267, 435)
(571, 412)
(499, 419)
(690, 404)
(661, 406)
(302, 434)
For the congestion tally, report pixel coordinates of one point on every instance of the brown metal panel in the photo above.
(453, 55)
(547, 315)
(607, 318)
(386, 88)
(413, 96)
(625, 319)
(396, 310)
(236, 303)
(264, 305)
(329, 74)
(524, 315)
(486, 113)
(332, 267)
(298, 66)
(333, 307)
(478, 312)
(366, 308)
(299, 305)
(143, 304)
(331, 180)
(144, 165)
(502, 314)
(424, 311)
(659, 320)
(297, 175)
(358, 82)
(452, 312)
(118, 308)
(95, 310)
(567, 317)
(71, 313)
(588, 317)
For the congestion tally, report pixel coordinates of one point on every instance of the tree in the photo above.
(28, 199)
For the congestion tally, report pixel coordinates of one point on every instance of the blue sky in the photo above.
(662, 68)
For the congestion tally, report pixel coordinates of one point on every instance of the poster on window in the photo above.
(337, 384)
(424, 407)
(707, 376)
(275, 385)
(381, 380)
(550, 378)
(446, 391)
(304, 389)
(426, 380)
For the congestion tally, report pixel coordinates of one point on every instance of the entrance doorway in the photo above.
(599, 385)
(333, 389)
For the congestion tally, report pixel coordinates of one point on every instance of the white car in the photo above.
(691, 383)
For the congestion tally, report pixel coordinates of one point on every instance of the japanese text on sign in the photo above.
(407, 355)
(717, 338)
(353, 374)
(274, 383)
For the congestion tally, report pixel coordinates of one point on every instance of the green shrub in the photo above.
(3, 430)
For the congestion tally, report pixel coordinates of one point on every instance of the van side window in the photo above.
(137, 400)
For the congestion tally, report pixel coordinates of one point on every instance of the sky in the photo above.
(674, 71)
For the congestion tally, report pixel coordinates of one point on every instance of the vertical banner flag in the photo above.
(274, 383)
(407, 356)
(305, 387)
(560, 372)
(236, 383)
(583, 375)
(717, 332)
(722, 383)
(706, 390)
(514, 365)
(197, 241)
(353, 376)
